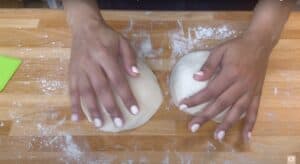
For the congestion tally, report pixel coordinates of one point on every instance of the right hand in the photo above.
(100, 59)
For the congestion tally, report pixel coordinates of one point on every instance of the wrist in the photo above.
(261, 37)
(86, 24)
(83, 16)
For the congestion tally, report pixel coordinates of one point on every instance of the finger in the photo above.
(211, 64)
(89, 99)
(214, 88)
(223, 102)
(105, 94)
(251, 118)
(232, 116)
(75, 99)
(119, 83)
(129, 58)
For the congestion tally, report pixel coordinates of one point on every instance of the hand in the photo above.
(100, 58)
(239, 67)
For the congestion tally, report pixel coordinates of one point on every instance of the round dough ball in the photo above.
(182, 84)
(148, 95)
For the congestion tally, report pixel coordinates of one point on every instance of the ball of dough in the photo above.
(148, 95)
(182, 84)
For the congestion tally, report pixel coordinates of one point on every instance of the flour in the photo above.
(182, 42)
(218, 33)
(13, 113)
(185, 158)
(142, 44)
(71, 149)
(210, 147)
(179, 43)
(141, 41)
(48, 87)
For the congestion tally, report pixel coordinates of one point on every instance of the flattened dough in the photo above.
(182, 84)
(148, 95)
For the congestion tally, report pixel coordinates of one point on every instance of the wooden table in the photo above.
(34, 108)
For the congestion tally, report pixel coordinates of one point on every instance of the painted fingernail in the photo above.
(200, 73)
(97, 122)
(220, 135)
(134, 69)
(195, 128)
(134, 109)
(118, 122)
(74, 117)
(249, 135)
(183, 107)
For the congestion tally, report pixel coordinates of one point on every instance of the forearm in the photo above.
(82, 14)
(269, 19)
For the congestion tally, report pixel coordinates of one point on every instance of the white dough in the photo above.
(183, 85)
(148, 95)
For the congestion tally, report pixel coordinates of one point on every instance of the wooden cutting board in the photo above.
(35, 110)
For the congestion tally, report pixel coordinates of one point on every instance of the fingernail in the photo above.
(134, 69)
(118, 122)
(74, 117)
(97, 122)
(134, 109)
(200, 73)
(220, 135)
(195, 128)
(183, 107)
(249, 135)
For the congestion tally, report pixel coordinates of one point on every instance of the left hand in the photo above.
(239, 67)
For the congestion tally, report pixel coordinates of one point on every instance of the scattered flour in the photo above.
(71, 149)
(185, 158)
(142, 44)
(50, 86)
(141, 41)
(182, 42)
(210, 147)
(218, 33)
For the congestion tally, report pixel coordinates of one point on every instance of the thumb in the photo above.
(129, 58)
(210, 66)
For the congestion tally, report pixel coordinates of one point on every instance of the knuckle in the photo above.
(94, 112)
(75, 103)
(85, 91)
(233, 72)
(102, 87)
(206, 116)
(73, 91)
(241, 107)
(124, 91)
(251, 121)
(111, 111)
(117, 81)
(211, 92)
(109, 103)
(229, 122)
(75, 107)
(222, 103)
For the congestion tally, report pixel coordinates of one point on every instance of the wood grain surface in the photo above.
(34, 108)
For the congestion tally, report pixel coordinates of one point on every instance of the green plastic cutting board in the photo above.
(8, 67)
